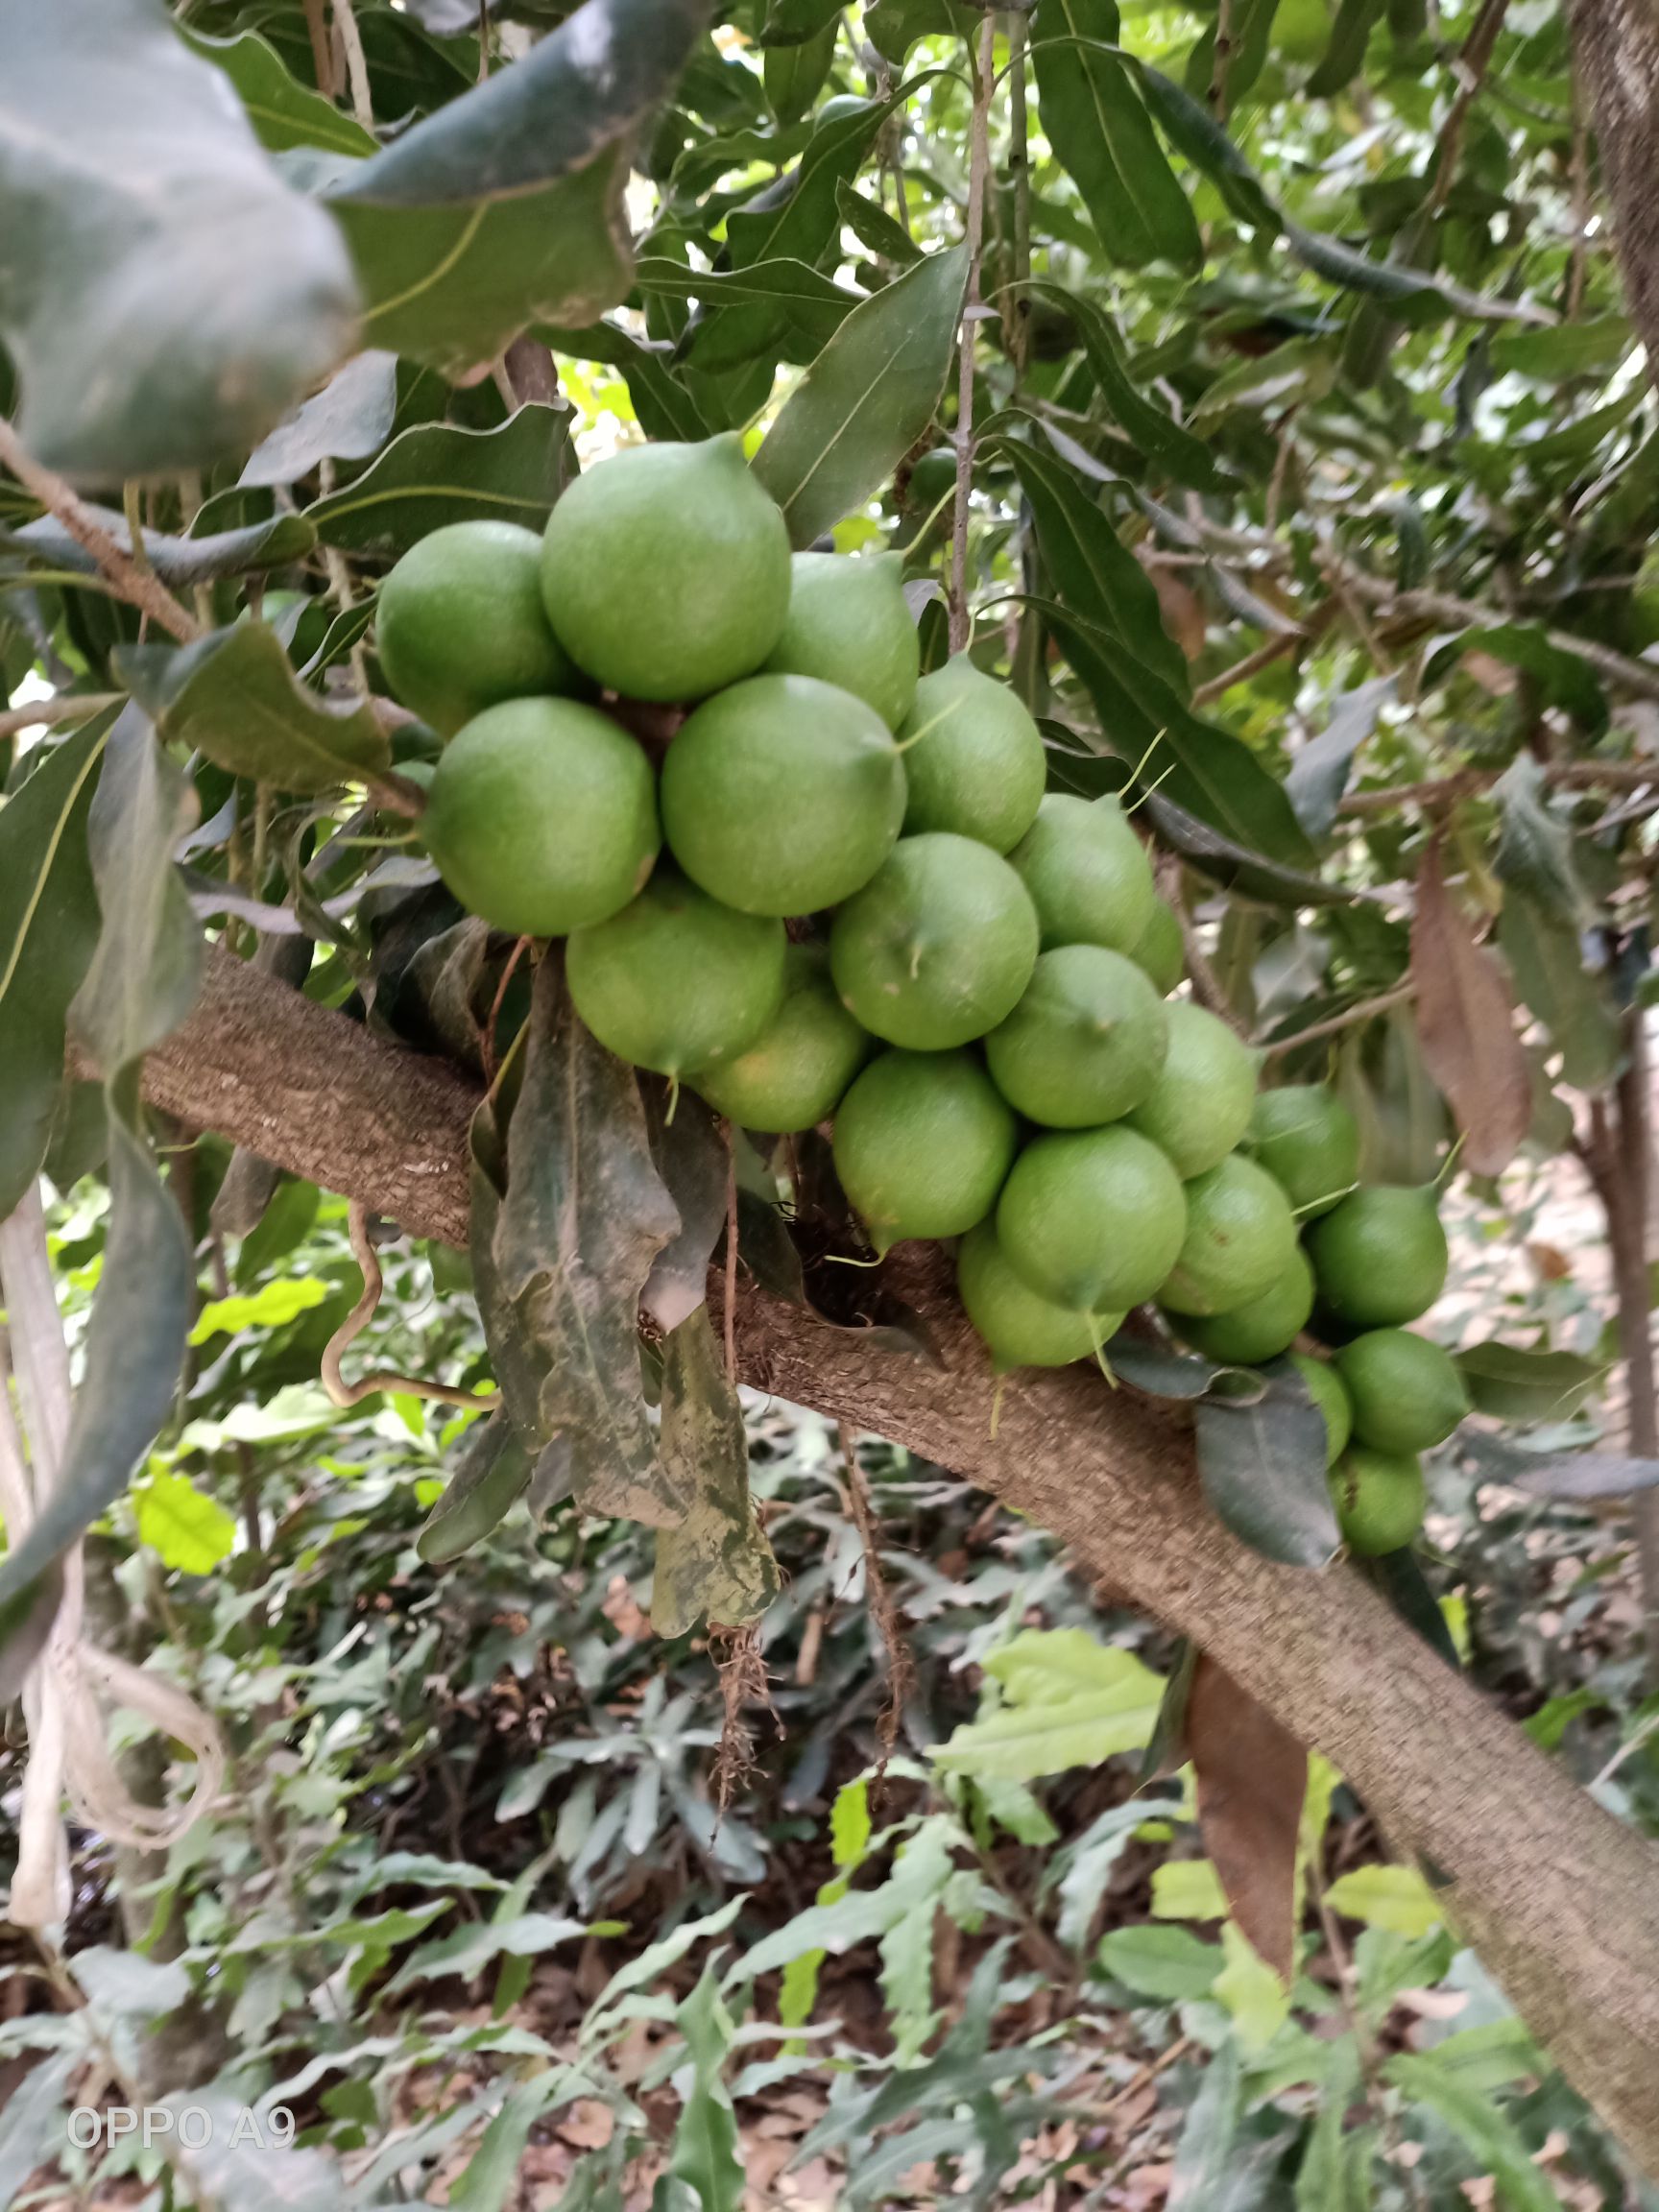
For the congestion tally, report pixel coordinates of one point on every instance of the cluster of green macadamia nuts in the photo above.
(976, 988)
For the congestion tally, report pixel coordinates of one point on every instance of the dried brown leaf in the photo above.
(1466, 1026)
(1252, 1777)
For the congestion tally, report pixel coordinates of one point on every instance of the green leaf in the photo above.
(1149, 428)
(1097, 122)
(664, 405)
(1093, 571)
(1169, 1963)
(193, 1533)
(716, 1566)
(1251, 1991)
(1534, 846)
(1213, 2168)
(1187, 1889)
(1392, 1897)
(1570, 999)
(490, 2175)
(793, 22)
(32, 2121)
(1491, 2055)
(350, 419)
(146, 227)
(1345, 56)
(1400, 1579)
(707, 2155)
(1565, 350)
(140, 985)
(583, 1215)
(866, 399)
(1071, 1703)
(1195, 132)
(794, 74)
(894, 26)
(504, 208)
(235, 696)
(494, 1471)
(434, 474)
(467, 1951)
(1512, 1385)
(1482, 2128)
(178, 561)
(1333, 2175)
(283, 112)
(48, 928)
(1320, 772)
(1300, 370)
(1564, 679)
(271, 1307)
(875, 228)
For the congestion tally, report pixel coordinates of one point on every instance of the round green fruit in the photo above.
(1020, 1329)
(1086, 872)
(1200, 1105)
(1379, 1497)
(793, 1075)
(1260, 1328)
(1405, 1393)
(848, 623)
(1240, 1239)
(1159, 948)
(937, 947)
(1091, 1218)
(676, 980)
(1379, 1257)
(665, 570)
(460, 626)
(781, 795)
(1324, 1388)
(932, 479)
(922, 1142)
(542, 816)
(1308, 1143)
(1085, 1042)
(973, 757)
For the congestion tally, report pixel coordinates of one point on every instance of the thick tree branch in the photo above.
(1615, 44)
(1562, 1900)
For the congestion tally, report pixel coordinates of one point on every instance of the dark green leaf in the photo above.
(694, 1161)
(866, 398)
(666, 408)
(48, 928)
(505, 206)
(583, 1218)
(1513, 1384)
(1193, 131)
(1399, 1576)
(716, 1566)
(348, 420)
(1535, 847)
(1483, 2128)
(233, 696)
(1262, 1468)
(1238, 869)
(144, 227)
(875, 228)
(794, 74)
(894, 26)
(1320, 772)
(26, 1620)
(1093, 571)
(1564, 350)
(434, 474)
(1565, 680)
(1570, 999)
(178, 561)
(1345, 56)
(1147, 1364)
(1149, 428)
(490, 1476)
(283, 112)
(813, 306)
(1097, 122)
(793, 22)
(1165, 1752)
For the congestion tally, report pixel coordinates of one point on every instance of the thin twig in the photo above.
(1276, 648)
(978, 165)
(729, 1317)
(900, 1669)
(321, 49)
(1222, 61)
(1473, 62)
(356, 63)
(143, 587)
(1206, 983)
(1442, 791)
(53, 714)
(1365, 1010)
(1018, 323)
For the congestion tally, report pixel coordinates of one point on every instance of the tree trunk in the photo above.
(1615, 46)
(1560, 1898)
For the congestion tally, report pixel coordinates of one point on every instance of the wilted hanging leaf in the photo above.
(717, 1565)
(1568, 998)
(146, 227)
(48, 928)
(583, 1218)
(1252, 1777)
(505, 206)
(866, 398)
(694, 1161)
(490, 1476)
(1466, 1026)
(233, 696)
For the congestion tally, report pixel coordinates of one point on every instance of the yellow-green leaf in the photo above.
(1392, 1897)
(271, 1307)
(190, 1531)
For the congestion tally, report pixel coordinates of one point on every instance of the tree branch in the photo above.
(141, 585)
(978, 165)
(1561, 1898)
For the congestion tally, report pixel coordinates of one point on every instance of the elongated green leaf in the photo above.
(1345, 56)
(707, 2155)
(1327, 2180)
(1569, 999)
(1094, 573)
(866, 398)
(665, 406)
(875, 228)
(32, 2124)
(1536, 846)
(505, 206)
(140, 985)
(145, 227)
(585, 1215)
(1515, 1384)
(814, 307)
(1150, 428)
(48, 928)
(1098, 124)
(490, 1477)
(348, 420)
(1565, 680)
(468, 1950)
(434, 474)
(716, 1566)
(1169, 1963)
(1262, 1468)
(233, 696)
(1485, 2129)
(178, 561)
(1319, 773)
(794, 74)
(283, 112)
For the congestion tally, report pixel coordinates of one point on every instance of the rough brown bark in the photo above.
(1561, 1899)
(1615, 46)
